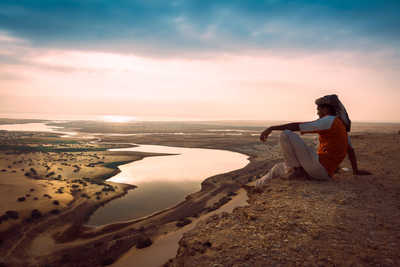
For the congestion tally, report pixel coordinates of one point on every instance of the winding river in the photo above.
(164, 181)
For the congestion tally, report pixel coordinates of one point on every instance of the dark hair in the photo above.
(331, 109)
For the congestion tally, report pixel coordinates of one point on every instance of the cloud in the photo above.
(165, 28)
(10, 77)
(16, 53)
(263, 54)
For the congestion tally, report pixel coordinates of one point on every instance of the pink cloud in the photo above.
(230, 86)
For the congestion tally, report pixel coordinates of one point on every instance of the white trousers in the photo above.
(296, 154)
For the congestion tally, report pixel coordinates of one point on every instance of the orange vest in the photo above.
(332, 146)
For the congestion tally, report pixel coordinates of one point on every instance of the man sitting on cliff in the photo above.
(302, 161)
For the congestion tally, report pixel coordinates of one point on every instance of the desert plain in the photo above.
(51, 184)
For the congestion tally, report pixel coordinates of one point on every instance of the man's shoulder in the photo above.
(320, 124)
(328, 118)
(337, 122)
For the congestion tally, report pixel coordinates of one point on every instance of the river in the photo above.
(164, 181)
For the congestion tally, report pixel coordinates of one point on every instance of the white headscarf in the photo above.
(333, 100)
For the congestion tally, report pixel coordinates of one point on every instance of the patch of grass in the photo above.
(46, 141)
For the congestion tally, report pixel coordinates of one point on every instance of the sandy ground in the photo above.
(60, 238)
(49, 180)
(57, 186)
(349, 221)
(166, 246)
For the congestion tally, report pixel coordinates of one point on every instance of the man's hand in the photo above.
(361, 172)
(264, 135)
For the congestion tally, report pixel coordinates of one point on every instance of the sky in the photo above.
(200, 59)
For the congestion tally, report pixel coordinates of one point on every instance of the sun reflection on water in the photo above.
(114, 118)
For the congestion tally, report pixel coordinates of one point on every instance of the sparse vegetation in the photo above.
(60, 190)
(50, 174)
(55, 211)
(115, 164)
(27, 149)
(33, 171)
(108, 188)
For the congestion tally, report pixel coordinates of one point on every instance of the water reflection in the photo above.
(29, 127)
(164, 181)
(142, 201)
(191, 164)
(35, 127)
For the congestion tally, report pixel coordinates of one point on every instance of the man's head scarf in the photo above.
(333, 100)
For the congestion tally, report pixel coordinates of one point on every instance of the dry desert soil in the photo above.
(49, 186)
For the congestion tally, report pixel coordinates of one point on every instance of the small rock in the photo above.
(107, 261)
(183, 222)
(3, 217)
(388, 260)
(12, 214)
(36, 214)
(207, 244)
(143, 242)
(230, 194)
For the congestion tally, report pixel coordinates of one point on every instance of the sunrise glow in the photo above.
(228, 65)
(121, 119)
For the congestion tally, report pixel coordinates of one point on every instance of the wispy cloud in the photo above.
(180, 54)
(190, 27)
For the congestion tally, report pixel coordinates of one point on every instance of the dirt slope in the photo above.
(349, 221)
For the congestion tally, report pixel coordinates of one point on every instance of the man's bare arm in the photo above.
(353, 160)
(294, 126)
